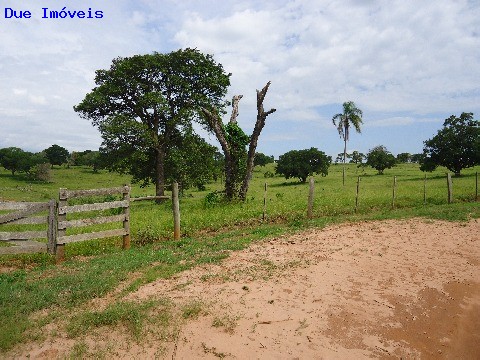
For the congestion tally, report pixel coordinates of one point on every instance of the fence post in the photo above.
(126, 221)
(425, 190)
(60, 248)
(449, 188)
(176, 212)
(310, 197)
(356, 197)
(264, 217)
(394, 191)
(476, 186)
(52, 227)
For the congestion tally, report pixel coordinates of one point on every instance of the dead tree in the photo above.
(215, 124)
(259, 124)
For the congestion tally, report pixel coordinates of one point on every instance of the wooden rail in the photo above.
(23, 241)
(64, 224)
(58, 224)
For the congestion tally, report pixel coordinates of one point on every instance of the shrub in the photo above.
(268, 174)
(41, 172)
(212, 199)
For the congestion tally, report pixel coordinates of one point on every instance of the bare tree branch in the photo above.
(235, 101)
(259, 124)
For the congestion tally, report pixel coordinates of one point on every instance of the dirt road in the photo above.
(390, 289)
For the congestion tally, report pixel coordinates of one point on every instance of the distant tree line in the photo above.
(193, 162)
(35, 165)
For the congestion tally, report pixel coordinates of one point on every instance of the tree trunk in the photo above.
(160, 172)
(260, 123)
(159, 158)
(344, 159)
(214, 122)
(229, 177)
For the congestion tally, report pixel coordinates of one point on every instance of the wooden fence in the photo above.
(64, 209)
(58, 224)
(24, 241)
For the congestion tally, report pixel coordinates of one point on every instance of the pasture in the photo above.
(286, 200)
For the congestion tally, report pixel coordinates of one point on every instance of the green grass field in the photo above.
(32, 284)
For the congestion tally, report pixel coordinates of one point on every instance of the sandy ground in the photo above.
(405, 289)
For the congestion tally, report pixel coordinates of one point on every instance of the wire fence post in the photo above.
(449, 188)
(176, 212)
(425, 190)
(311, 191)
(476, 186)
(264, 216)
(394, 191)
(126, 220)
(356, 196)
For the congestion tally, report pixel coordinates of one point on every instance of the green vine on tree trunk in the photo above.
(238, 141)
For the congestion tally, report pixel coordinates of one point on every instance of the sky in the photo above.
(407, 64)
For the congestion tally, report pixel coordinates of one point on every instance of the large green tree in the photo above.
(145, 104)
(262, 159)
(351, 116)
(356, 157)
(404, 158)
(380, 159)
(456, 146)
(187, 168)
(56, 154)
(303, 163)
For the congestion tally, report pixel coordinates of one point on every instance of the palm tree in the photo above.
(351, 116)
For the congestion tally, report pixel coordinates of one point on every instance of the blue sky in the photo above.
(407, 64)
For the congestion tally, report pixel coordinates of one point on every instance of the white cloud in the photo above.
(395, 121)
(403, 56)
(38, 100)
(20, 92)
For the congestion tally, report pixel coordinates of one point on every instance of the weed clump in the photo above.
(212, 199)
(146, 236)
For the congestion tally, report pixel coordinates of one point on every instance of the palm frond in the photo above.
(351, 116)
(356, 121)
(340, 124)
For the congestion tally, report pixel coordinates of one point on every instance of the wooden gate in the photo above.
(64, 223)
(23, 241)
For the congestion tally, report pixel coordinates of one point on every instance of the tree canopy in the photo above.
(456, 146)
(404, 158)
(356, 157)
(56, 154)
(262, 159)
(380, 159)
(303, 163)
(144, 106)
